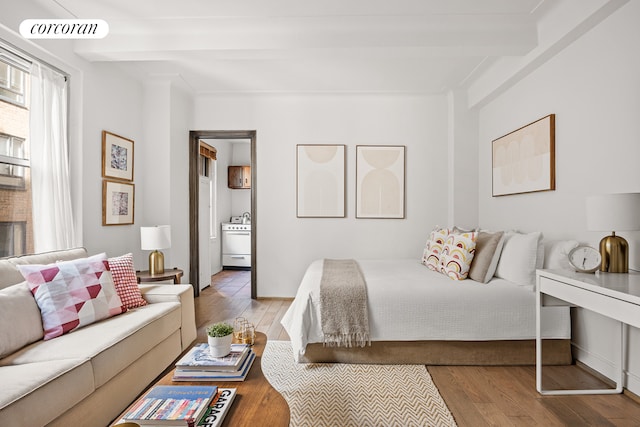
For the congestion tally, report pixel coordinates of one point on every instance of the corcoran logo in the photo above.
(64, 28)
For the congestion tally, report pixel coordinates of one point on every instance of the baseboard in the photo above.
(605, 368)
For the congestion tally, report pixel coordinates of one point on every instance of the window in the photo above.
(12, 81)
(208, 169)
(16, 222)
(13, 236)
(33, 156)
(13, 162)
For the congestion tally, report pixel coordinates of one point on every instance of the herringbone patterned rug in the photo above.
(341, 395)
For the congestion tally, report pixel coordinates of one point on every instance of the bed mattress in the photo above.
(409, 302)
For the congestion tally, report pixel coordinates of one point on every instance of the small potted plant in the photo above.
(219, 336)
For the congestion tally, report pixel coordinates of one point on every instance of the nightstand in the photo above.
(614, 295)
(174, 274)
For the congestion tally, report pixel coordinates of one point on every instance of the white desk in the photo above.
(614, 295)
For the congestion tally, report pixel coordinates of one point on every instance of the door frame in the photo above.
(194, 203)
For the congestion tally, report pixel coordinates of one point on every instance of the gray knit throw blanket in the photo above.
(343, 304)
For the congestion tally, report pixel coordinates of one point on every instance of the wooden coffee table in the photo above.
(256, 402)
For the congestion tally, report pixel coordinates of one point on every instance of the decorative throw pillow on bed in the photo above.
(433, 248)
(457, 254)
(519, 258)
(557, 254)
(124, 278)
(488, 250)
(72, 294)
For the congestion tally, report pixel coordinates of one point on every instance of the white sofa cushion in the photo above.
(110, 344)
(20, 321)
(43, 390)
(10, 275)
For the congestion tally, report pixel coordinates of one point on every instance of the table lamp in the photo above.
(610, 212)
(153, 239)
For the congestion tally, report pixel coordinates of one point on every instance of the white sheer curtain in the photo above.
(53, 225)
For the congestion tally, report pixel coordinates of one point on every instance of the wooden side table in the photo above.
(174, 274)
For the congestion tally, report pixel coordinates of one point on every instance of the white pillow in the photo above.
(557, 254)
(519, 258)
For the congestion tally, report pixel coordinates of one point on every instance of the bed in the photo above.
(420, 316)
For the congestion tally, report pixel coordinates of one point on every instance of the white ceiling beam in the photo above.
(254, 38)
(563, 22)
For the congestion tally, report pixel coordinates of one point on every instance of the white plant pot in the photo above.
(220, 346)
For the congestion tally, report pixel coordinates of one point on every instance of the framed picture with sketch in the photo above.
(117, 157)
(117, 202)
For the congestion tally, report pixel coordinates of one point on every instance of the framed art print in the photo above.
(117, 157)
(117, 203)
(380, 180)
(523, 161)
(320, 181)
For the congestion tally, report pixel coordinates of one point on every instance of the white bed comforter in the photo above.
(409, 302)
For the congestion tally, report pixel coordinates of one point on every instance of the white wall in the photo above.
(105, 88)
(594, 90)
(286, 244)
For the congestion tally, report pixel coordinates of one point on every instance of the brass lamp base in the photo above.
(156, 262)
(614, 251)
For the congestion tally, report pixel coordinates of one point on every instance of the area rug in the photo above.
(336, 394)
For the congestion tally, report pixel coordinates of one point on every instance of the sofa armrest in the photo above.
(175, 293)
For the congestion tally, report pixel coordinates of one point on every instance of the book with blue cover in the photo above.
(171, 405)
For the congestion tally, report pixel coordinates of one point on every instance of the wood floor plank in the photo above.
(458, 401)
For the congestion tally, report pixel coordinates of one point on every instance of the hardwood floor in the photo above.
(475, 395)
(229, 296)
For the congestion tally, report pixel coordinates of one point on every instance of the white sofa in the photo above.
(86, 377)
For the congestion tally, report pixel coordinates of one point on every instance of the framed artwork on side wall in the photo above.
(523, 161)
(117, 157)
(320, 181)
(380, 181)
(117, 203)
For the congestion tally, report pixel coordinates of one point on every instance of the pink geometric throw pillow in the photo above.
(124, 277)
(72, 294)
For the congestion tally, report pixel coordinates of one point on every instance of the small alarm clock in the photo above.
(585, 259)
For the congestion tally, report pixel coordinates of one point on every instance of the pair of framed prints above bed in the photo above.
(321, 177)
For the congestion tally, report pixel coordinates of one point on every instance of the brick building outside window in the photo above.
(16, 222)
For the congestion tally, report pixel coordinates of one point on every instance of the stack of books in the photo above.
(181, 406)
(199, 365)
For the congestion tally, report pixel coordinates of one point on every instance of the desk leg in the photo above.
(538, 344)
(619, 371)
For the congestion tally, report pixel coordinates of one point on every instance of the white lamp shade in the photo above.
(158, 237)
(613, 212)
